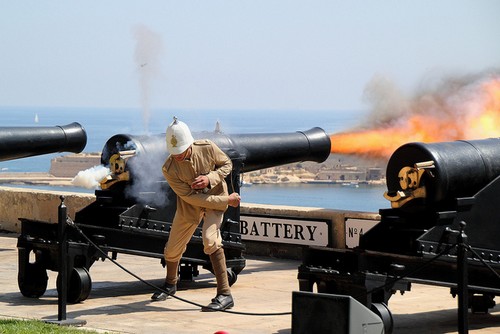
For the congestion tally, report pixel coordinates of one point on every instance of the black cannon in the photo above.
(433, 189)
(135, 206)
(23, 142)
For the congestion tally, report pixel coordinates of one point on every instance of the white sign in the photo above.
(284, 230)
(355, 227)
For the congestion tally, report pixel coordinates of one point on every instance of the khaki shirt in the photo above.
(206, 159)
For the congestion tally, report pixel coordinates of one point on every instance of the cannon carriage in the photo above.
(435, 190)
(134, 208)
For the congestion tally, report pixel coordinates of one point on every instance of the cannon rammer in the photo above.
(433, 188)
(134, 208)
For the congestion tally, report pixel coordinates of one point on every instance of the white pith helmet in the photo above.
(179, 137)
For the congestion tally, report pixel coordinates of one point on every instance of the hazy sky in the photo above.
(271, 54)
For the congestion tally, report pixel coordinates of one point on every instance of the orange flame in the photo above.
(476, 117)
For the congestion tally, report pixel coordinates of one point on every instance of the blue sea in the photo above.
(101, 124)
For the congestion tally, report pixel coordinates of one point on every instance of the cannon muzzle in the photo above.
(22, 142)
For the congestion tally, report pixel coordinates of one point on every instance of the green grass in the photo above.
(13, 326)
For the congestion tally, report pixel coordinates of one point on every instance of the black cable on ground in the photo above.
(72, 224)
(390, 283)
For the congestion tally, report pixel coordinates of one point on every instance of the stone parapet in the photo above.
(43, 205)
(35, 204)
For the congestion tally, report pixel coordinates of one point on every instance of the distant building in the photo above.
(373, 174)
(70, 165)
(341, 175)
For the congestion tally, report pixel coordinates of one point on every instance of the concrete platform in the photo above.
(119, 303)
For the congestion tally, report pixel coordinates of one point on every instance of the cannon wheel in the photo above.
(33, 283)
(232, 276)
(385, 314)
(79, 285)
(232, 273)
(481, 303)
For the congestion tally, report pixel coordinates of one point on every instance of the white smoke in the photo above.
(147, 56)
(148, 183)
(91, 177)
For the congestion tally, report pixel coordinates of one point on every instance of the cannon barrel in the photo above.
(260, 151)
(448, 170)
(22, 142)
(255, 151)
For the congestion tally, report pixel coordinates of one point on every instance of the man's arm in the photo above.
(197, 198)
(223, 167)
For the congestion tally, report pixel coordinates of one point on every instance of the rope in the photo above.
(72, 224)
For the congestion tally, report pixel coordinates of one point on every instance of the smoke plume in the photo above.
(148, 185)
(91, 177)
(454, 108)
(147, 56)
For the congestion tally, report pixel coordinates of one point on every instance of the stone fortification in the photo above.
(70, 165)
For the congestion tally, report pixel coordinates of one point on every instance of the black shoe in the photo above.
(170, 290)
(219, 303)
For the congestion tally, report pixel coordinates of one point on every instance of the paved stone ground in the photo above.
(119, 303)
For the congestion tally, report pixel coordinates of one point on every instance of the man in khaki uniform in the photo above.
(196, 171)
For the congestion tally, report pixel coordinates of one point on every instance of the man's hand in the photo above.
(234, 200)
(201, 182)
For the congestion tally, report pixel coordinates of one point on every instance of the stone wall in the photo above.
(41, 205)
(34, 204)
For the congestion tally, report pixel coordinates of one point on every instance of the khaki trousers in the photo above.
(183, 230)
